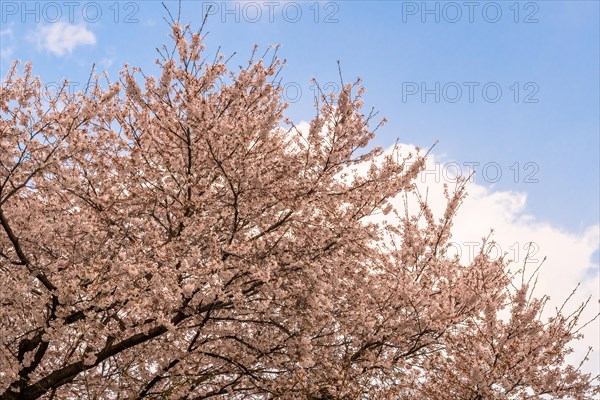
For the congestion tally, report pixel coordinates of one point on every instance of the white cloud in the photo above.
(107, 62)
(569, 256)
(61, 38)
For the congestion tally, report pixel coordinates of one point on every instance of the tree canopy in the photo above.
(167, 237)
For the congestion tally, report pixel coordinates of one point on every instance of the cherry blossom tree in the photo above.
(167, 237)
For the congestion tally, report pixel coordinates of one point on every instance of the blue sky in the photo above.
(541, 132)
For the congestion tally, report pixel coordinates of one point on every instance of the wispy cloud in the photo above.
(109, 58)
(62, 38)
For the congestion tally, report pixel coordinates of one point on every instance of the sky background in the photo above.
(432, 68)
(509, 88)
